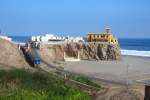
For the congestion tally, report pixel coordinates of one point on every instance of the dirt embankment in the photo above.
(86, 51)
(11, 56)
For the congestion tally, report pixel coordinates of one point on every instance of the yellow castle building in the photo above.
(104, 38)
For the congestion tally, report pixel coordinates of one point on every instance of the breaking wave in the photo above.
(135, 53)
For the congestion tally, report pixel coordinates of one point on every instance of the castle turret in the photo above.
(107, 29)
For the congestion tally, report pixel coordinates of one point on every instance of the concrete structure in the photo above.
(105, 37)
(71, 59)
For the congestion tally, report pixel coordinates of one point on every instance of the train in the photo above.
(32, 57)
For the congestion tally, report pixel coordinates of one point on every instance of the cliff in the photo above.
(94, 51)
(86, 51)
(10, 56)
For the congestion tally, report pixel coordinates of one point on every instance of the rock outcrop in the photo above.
(86, 51)
(94, 51)
(11, 56)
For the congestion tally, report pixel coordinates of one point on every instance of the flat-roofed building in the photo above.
(105, 37)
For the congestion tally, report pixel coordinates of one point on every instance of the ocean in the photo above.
(133, 47)
(20, 39)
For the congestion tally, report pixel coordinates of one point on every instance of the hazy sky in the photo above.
(127, 18)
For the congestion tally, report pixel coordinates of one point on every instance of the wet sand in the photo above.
(129, 69)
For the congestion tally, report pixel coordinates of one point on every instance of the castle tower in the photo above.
(107, 29)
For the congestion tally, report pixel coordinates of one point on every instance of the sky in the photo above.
(127, 18)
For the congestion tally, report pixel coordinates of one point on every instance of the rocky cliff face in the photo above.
(86, 51)
(94, 51)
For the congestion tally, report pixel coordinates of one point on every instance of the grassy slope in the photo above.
(25, 85)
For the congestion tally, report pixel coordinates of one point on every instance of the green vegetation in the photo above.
(25, 85)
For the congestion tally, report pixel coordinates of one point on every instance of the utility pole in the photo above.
(0, 32)
(127, 76)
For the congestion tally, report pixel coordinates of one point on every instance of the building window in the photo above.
(102, 36)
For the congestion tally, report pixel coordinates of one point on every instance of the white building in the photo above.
(46, 38)
(73, 39)
(53, 38)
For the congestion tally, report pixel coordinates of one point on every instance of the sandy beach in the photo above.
(130, 69)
